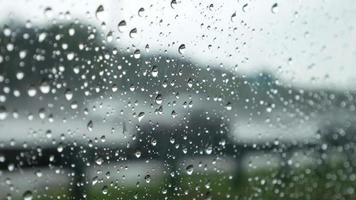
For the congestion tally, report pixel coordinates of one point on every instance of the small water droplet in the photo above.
(244, 7)
(173, 3)
(154, 71)
(174, 114)
(3, 113)
(228, 106)
(181, 49)
(122, 26)
(48, 12)
(138, 154)
(233, 17)
(27, 195)
(140, 116)
(105, 189)
(45, 87)
(133, 33)
(159, 99)
(189, 169)
(90, 125)
(99, 13)
(68, 94)
(32, 91)
(274, 8)
(137, 54)
(141, 12)
(148, 178)
(99, 161)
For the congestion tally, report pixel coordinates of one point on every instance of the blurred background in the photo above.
(177, 99)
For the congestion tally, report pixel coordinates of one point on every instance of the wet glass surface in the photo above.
(177, 99)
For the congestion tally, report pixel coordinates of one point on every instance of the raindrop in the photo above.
(114, 88)
(189, 169)
(122, 26)
(233, 17)
(159, 99)
(209, 150)
(140, 12)
(228, 106)
(138, 154)
(60, 148)
(99, 13)
(173, 3)
(140, 116)
(244, 7)
(154, 71)
(90, 125)
(147, 48)
(174, 114)
(148, 178)
(137, 54)
(68, 94)
(32, 91)
(45, 87)
(109, 36)
(105, 189)
(181, 49)
(3, 113)
(48, 12)
(190, 82)
(274, 8)
(99, 161)
(27, 195)
(133, 33)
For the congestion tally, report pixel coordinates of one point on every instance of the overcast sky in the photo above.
(306, 43)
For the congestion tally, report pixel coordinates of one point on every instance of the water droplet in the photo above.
(105, 189)
(133, 33)
(148, 178)
(189, 169)
(244, 7)
(138, 154)
(90, 125)
(114, 88)
(274, 8)
(228, 106)
(174, 114)
(99, 161)
(159, 99)
(190, 82)
(154, 71)
(140, 116)
(68, 94)
(147, 48)
(27, 195)
(109, 36)
(48, 12)
(45, 87)
(209, 150)
(140, 12)
(181, 49)
(99, 13)
(32, 91)
(60, 148)
(122, 26)
(173, 3)
(3, 113)
(137, 54)
(233, 17)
